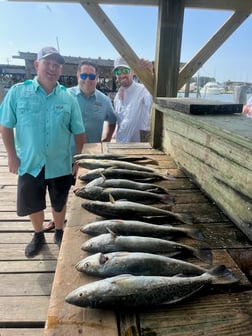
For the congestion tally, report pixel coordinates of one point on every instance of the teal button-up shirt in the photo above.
(44, 125)
(95, 110)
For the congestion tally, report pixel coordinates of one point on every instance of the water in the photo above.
(224, 97)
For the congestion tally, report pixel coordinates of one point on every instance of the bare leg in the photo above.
(59, 218)
(37, 220)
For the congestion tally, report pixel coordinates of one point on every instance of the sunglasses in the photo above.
(84, 76)
(124, 71)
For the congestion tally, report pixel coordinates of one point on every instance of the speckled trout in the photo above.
(109, 242)
(110, 156)
(135, 263)
(139, 228)
(134, 175)
(128, 184)
(132, 210)
(93, 164)
(129, 291)
(104, 194)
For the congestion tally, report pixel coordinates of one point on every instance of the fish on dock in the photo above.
(110, 242)
(135, 263)
(114, 173)
(128, 184)
(104, 194)
(129, 291)
(93, 164)
(132, 210)
(120, 157)
(140, 228)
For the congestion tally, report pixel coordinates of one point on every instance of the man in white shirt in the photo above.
(132, 103)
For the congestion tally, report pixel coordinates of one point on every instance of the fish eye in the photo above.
(81, 294)
(86, 265)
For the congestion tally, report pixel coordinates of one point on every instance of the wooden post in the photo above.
(168, 48)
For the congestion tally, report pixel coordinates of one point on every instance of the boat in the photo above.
(211, 88)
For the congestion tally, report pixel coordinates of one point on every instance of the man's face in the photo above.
(48, 70)
(87, 79)
(124, 76)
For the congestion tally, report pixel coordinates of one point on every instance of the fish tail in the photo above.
(169, 176)
(221, 275)
(168, 199)
(196, 234)
(203, 254)
(185, 218)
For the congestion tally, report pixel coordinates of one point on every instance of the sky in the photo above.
(27, 27)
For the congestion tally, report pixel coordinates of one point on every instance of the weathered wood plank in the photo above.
(15, 226)
(23, 309)
(16, 252)
(199, 106)
(24, 238)
(202, 315)
(26, 284)
(22, 332)
(28, 266)
(217, 154)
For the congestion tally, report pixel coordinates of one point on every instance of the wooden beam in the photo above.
(170, 24)
(117, 40)
(231, 5)
(211, 46)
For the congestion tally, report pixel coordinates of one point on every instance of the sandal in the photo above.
(49, 226)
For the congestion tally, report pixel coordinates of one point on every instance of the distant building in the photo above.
(11, 74)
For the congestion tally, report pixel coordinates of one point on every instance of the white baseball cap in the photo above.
(120, 62)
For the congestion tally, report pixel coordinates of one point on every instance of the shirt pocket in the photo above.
(62, 114)
(28, 113)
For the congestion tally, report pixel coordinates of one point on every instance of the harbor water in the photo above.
(224, 97)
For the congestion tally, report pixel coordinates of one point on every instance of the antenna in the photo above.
(57, 41)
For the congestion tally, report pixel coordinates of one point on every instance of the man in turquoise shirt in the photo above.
(44, 116)
(96, 110)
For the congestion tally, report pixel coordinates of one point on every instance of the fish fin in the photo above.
(104, 178)
(111, 232)
(203, 254)
(179, 275)
(155, 162)
(102, 258)
(75, 190)
(184, 297)
(121, 278)
(222, 275)
(111, 199)
(118, 221)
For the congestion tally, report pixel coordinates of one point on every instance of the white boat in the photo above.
(211, 88)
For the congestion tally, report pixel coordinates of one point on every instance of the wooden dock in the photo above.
(25, 283)
(218, 311)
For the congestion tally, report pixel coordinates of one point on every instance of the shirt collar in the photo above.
(37, 86)
(78, 91)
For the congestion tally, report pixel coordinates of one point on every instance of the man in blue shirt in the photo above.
(44, 116)
(96, 107)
